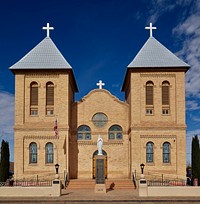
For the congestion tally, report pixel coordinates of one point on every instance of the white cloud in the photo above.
(192, 105)
(6, 113)
(195, 118)
(159, 7)
(190, 30)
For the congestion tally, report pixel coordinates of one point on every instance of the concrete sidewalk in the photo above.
(88, 196)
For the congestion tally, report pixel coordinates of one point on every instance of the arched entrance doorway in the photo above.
(94, 164)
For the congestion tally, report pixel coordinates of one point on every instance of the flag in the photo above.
(56, 128)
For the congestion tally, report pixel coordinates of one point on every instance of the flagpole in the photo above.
(57, 141)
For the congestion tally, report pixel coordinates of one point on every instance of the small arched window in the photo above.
(149, 93)
(115, 132)
(166, 152)
(49, 98)
(149, 98)
(34, 98)
(165, 93)
(49, 153)
(33, 153)
(149, 152)
(84, 133)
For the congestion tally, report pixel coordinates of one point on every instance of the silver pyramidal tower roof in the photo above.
(154, 54)
(43, 56)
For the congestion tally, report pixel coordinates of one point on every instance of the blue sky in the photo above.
(99, 38)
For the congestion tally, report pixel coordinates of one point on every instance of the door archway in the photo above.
(94, 164)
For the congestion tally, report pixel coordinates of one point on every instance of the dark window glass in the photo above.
(33, 153)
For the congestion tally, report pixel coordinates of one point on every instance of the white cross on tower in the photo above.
(48, 29)
(100, 84)
(151, 29)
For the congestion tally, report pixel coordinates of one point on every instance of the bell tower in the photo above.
(44, 90)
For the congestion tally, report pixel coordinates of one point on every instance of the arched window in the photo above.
(84, 133)
(165, 98)
(149, 93)
(149, 98)
(49, 153)
(33, 153)
(115, 132)
(166, 152)
(149, 152)
(49, 98)
(165, 93)
(34, 98)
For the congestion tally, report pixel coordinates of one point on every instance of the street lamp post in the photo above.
(142, 168)
(57, 167)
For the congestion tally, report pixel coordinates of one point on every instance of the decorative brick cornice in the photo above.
(158, 136)
(38, 137)
(158, 75)
(114, 142)
(143, 128)
(32, 129)
(41, 75)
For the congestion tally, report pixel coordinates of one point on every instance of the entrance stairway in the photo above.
(111, 184)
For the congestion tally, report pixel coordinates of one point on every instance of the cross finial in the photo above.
(151, 28)
(48, 28)
(100, 84)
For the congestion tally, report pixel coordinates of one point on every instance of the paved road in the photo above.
(111, 197)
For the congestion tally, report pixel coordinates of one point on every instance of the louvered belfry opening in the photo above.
(49, 98)
(165, 93)
(34, 98)
(149, 98)
(165, 98)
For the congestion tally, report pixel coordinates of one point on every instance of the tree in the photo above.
(195, 158)
(5, 161)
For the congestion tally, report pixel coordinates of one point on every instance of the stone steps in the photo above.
(110, 184)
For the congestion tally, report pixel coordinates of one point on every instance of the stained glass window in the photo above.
(100, 119)
(149, 152)
(33, 153)
(115, 132)
(84, 133)
(49, 153)
(166, 152)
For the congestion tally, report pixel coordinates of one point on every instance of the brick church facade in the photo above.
(147, 127)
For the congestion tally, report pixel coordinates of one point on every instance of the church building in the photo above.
(148, 126)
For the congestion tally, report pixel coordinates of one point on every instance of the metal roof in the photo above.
(154, 54)
(43, 56)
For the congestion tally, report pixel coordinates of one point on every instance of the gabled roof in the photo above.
(43, 56)
(154, 54)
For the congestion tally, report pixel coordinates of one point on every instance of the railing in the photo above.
(26, 183)
(178, 182)
(134, 179)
